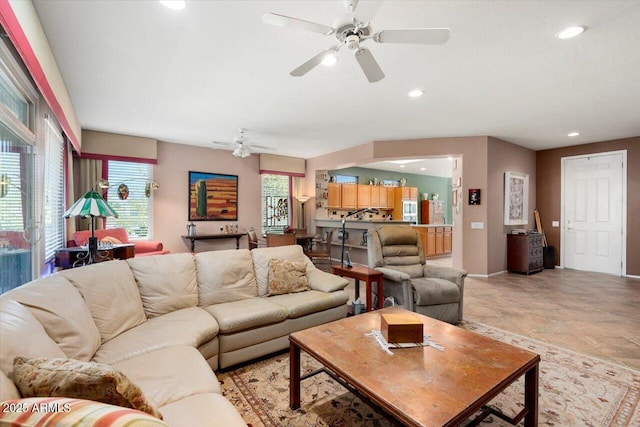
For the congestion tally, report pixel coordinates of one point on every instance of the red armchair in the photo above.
(143, 247)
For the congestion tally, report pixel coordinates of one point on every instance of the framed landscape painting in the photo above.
(213, 197)
(516, 198)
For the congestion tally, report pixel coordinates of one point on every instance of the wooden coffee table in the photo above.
(418, 386)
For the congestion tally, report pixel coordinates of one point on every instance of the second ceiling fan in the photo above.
(352, 32)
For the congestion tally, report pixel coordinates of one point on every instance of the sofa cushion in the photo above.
(435, 291)
(43, 377)
(190, 326)
(262, 256)
(166, 283)
(322, 281)
(287, 277)
(170, 374)
(8, 389)
(59, 307)
(303, 303)
(112, 295)
(247, 313)
(22, 335)
(207, 409)
(225, 276)
(65, 411)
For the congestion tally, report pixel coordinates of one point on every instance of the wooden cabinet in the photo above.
(436, 241)
(413, 193)
(382, 202)
(448, 243)
(390, 201)
(349, 196)
(334, 201)
(524, 253)
(364, 196)
(432, 212)
(375, 196)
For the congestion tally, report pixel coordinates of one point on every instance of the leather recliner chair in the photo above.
(396, 251)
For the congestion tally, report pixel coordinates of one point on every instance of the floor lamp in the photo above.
(344, 220)
(303, 200)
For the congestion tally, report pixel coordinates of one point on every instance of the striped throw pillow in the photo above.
(64, 411)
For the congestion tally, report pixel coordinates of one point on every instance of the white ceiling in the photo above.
(197, 75)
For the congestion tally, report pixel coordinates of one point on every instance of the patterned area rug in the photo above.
(575, 390)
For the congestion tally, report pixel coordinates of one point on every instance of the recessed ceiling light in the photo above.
(572, 134)
(174, 4)
(401, 162)
(423, 169)
(403, 166)
(329, 59)
(416, 93)
(570, 32)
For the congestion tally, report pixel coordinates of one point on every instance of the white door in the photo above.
(593, 213)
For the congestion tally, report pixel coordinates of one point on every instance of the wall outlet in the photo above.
(555, 223)
(477, 225)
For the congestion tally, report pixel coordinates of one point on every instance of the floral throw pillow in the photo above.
(287, 277)
(44, 377)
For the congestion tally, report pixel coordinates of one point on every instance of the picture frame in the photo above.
(454, 198)
(516, 198)
(474, 196)
(212, 197)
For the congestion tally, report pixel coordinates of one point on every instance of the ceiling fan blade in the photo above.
(414, 36)
(223, 144)
(310, 64)
(261, 147)
(295, 23)
(367, 10)
(369, 65)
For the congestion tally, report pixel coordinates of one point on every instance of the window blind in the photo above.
(134, 213)
(53, 190)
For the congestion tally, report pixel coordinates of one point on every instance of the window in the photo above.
(275, 202)
(134, 210)
(54, 201)
(346, 179)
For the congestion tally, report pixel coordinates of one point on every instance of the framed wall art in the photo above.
(213, 197)
(474, 196)
(516, 198)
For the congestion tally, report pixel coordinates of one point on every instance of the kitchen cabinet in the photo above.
(349, 196)
(382, 191)
(390, 201)
(436, 241)
(334, 201)
(375, 196)
(400, 194)
(364, 196)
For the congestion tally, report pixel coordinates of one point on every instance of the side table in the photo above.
(369, 275)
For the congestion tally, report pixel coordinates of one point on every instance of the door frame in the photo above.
(624, 203)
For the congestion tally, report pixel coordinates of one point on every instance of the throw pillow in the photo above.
(287, 277)
(64, 411)
(42, 377)
(110, 239)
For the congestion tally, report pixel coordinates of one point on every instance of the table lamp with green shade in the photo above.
(91, 205)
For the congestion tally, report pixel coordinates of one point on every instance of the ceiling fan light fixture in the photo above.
(329, 59)
(573, 134)
(571, 32)
(416, 93)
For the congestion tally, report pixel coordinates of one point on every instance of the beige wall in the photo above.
(505, 157)
(170, 214)
(483, 161)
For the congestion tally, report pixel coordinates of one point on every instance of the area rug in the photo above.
(575, 390)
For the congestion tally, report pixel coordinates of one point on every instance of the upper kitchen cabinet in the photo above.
(334, 200)
(349, 196)
(364, 196)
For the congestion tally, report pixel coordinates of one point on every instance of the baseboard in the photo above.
(631, 276)
(486, 276)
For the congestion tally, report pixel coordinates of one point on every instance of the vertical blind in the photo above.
(53, 190)
(134, 213)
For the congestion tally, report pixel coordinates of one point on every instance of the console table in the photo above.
(193, 239)
(76, 256)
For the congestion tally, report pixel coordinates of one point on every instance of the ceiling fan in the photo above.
(351, 32)
(242, 146)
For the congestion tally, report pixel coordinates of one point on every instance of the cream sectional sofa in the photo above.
(167, 322)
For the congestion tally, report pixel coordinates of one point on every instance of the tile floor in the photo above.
(590, 313)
